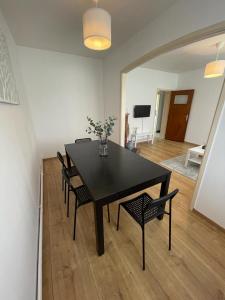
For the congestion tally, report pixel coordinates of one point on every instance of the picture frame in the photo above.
(8, 89)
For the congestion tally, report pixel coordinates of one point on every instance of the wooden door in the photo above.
(180, 106)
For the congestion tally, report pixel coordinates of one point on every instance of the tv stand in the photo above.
(143, 137)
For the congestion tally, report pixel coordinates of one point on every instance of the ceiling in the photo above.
(191, 57)
(57, 24)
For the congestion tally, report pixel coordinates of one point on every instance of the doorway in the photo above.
(172, 114)
(161, 113)
(158, 113)
(159, 131)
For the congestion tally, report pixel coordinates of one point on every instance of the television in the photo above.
(142, 111)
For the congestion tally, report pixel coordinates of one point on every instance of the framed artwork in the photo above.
(8, 90)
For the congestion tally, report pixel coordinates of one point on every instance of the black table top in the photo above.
(118, 175)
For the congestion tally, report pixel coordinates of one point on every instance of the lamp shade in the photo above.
(97, 29)
(215, 69)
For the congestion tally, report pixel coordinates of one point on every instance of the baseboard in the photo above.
(190, 143)
(40, 239)
(209, 220)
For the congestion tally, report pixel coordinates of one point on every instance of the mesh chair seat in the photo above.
(135, 207)
(82, 195)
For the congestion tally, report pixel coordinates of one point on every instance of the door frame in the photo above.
(156, 112)
(185, 40)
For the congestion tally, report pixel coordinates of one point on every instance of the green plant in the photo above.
(100, 129)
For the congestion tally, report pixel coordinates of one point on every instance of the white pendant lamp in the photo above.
(97, 28)
(215, 68)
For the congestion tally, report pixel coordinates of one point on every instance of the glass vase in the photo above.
(103, 148)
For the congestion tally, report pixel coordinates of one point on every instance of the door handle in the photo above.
(187, 117)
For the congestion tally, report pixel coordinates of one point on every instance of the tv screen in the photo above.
(142, 111)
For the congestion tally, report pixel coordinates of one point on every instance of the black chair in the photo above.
(144, 209)
(82, 197)
(85, 140)
(72, 172)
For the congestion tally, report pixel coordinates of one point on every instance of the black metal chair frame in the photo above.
(71, 174)
(84, 140)
(143, 209)
(61, 159)
(78, 201)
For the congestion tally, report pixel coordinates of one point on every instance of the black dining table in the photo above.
(110, 178)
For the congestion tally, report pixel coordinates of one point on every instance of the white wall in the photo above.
(63, 90)
(204, 103)
(211, 195)
(141, 89)
(19, 194)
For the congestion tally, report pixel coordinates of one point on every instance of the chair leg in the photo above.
(75, 220)
(68, 202)
(118, 218)
(143, 247)
(108, 213)
(170, 223)
(64, 191)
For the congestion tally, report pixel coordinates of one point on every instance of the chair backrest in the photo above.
(67, 179)
(156, 207)
(61, 159)
(85, 140)
(66, 176)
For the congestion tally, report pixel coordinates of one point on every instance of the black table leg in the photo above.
(164, 191)
(99, 229)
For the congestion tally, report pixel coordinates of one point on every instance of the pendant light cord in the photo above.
(96, 3)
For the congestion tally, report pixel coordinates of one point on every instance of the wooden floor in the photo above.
(194, 269)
